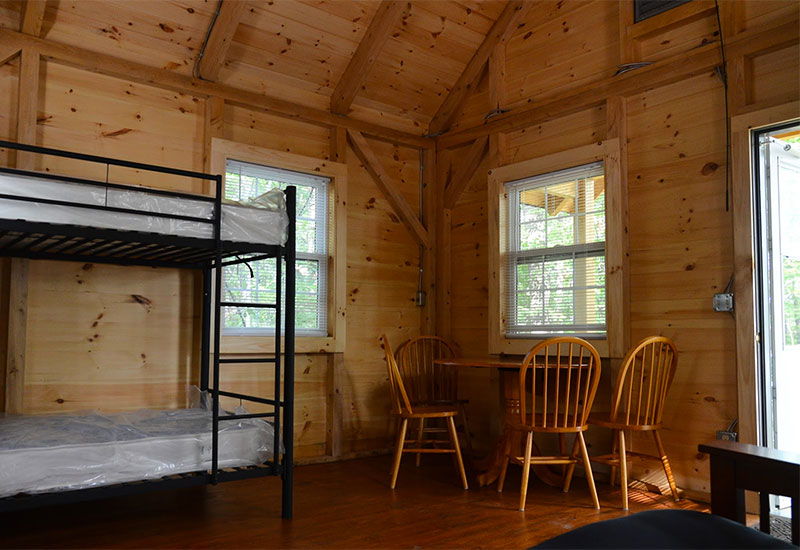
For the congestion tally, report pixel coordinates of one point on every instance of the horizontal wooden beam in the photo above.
(32, 17)
(220, 38)
(661, 73)
(504, 26)
(136, 72)
(378, 32)
(388, 188)
(465, 171)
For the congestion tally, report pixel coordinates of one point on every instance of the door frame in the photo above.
(743, 254)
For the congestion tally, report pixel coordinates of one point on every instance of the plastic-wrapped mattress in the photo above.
(265, 224)
(63, 452)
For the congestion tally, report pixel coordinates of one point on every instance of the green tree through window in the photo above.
(556, 253)
(243, 181)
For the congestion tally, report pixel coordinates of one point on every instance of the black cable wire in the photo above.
(195, 69)
(723, 72)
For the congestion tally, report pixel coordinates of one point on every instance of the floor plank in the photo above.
(337, 505)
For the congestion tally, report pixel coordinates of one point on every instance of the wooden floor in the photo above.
(339, 505)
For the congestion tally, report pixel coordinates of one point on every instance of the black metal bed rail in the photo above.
(254, 399)
(106, 160)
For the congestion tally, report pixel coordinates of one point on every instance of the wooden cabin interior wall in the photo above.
(111, 337)
(680, 234)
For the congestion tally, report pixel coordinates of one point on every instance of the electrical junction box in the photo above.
(723, 301)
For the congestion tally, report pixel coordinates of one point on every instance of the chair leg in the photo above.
(623, 469)
(398, 450)
(419, 439)
(562, 450)
(506, 458)
(614, 447)
(451, 425)
(665, 462)
(526, 470)
(571, 467)
(467, 437)
(588, 466)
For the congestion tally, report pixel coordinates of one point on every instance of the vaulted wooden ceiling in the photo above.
(394, 63)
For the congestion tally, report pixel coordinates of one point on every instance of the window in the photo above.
(556, 257)
(644, 9)
(255, 282)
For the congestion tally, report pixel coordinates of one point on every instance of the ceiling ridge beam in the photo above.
(220, 37)
(502, 29)
(465, 171)
(160, 78)
(389, 189)
(667, 71)
(32, 17)
(379, 30)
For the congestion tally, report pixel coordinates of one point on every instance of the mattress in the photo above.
(64, 452)
(266, 224)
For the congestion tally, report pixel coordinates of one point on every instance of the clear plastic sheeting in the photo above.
(64, 452)
(261, 220)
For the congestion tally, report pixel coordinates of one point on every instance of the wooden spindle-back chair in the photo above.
(429, 383)
(403, 407)
(638, 405)
(557, 380)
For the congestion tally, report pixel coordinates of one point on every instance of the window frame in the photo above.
(242, 343)
(513, 248)
(320, 256)
(607, 151)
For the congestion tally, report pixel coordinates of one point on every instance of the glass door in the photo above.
(778, 190)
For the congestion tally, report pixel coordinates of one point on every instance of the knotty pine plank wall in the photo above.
(113, 338)
(680, 233)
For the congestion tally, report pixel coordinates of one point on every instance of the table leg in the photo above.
(491, 466)
(728, 500)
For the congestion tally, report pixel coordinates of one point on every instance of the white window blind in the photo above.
(555, 257)
(245, 180)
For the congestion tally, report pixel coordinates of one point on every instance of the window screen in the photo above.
(644, 9)
(245, 180)
(555, 257)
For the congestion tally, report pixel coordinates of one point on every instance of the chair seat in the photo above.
(535, 423)
(604, 420)
(431, 411)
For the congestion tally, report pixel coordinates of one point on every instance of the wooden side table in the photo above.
(736, 467)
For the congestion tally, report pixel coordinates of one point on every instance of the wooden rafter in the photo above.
(388, 188)
(220, 38)
(506, 24)
(378, 32)
(32, 17)
(465, 171)
(661, 73)
(169, 80)
(7, 53)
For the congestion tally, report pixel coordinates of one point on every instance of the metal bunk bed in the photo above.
(58, 241)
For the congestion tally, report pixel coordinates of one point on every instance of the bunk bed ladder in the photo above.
(211, 383)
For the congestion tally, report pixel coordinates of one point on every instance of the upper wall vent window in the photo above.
(644, 9)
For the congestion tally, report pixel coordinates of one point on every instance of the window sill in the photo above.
(521, 346)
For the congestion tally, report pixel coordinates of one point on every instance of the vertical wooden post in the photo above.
(338, 144)
(17, 325)
(431, 209)
(335, 405)
(28, 98)
(617, 257)
(214, 127)
(334, 411)
(443, 249)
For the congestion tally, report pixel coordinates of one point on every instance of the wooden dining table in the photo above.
(508, 367)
